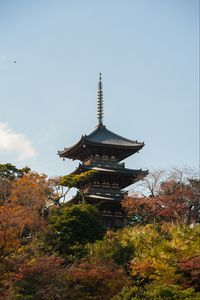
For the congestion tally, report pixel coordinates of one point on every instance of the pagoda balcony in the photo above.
(105, 164)
(102, 152)
(103, 190)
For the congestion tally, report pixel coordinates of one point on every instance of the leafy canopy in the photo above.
(72, 226)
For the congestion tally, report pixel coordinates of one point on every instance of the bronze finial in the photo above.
(100, 102)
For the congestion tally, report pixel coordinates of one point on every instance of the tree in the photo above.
(22, 215)
(48, 278)
(159, 251)
(8, 174)
(58, 192)
(190, 268)
(72, 227)
(77, 180)
(176, 200)
(13, 219)
(157, 291)
(166, 254)
(149, 187)
(11, 172)
(140, 210)
(114, 247)
(178, 203)
(40, 279)
(95, 278)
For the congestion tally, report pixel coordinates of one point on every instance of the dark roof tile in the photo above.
(102, 135)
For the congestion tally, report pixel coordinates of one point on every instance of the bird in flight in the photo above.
(12, 60)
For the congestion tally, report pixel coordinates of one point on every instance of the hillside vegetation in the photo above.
(51, 250)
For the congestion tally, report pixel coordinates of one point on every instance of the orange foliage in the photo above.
(31, 190)
(23, 210)
(13, 219)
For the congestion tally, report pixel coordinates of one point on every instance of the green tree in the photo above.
(157, 292)
(77, 181)
(164, 253)
(113, 247)
(9, 173)
(72, 227)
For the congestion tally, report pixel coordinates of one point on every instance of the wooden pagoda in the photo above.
(102, 151)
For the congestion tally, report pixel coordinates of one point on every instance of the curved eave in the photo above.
(94, 199)
(82, 168)
(77, 150)
(128, 176)
(71, 151)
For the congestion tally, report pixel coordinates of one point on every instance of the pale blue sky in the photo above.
(147, 51)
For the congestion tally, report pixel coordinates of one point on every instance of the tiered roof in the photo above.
(125, 176)
(101, 137)
(101, 151)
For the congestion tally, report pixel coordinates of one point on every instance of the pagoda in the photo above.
(103, 151)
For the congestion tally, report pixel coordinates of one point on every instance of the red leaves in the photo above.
(175, 202)
(95, 268)
(44, 266)
(191, 271)
(142, 208)
(48, 278)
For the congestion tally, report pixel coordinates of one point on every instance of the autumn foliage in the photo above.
(174, 202)
(21, 213)
(52, 250)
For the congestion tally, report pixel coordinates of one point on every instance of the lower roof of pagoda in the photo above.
(101, 141)
(124, 176)
(95, 199)
(102, 197)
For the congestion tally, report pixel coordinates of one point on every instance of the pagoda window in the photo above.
(118, 222)
(107, 222)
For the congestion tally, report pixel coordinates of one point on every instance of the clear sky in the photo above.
(147, 51)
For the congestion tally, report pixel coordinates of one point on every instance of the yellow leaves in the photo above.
(76, 180)
(158, 249)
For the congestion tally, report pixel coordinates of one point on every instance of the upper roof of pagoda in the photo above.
(101, 135)
(101, 138)
(101, 141)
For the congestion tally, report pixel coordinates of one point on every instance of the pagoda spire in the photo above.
(100, 102)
